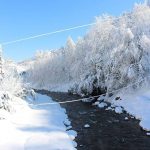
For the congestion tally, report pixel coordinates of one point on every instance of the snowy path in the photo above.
(36, 128)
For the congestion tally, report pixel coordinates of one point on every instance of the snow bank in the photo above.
(35, 127)
(137, 105)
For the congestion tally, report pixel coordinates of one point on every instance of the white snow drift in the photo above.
(138, 105)
(35, 127)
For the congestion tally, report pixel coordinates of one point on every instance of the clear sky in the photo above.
(23, 18)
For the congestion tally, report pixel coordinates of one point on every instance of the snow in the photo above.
(86, 126)
(148, 134)
(137, 105)
(109, 108)
(118, 110)
(102, 105)
(35, 127)
(72, 134)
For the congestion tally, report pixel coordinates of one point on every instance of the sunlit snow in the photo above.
(35, 127)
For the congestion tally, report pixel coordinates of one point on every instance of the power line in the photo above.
(53, 32)
(82, 99)
(46, 34)
(59, 31)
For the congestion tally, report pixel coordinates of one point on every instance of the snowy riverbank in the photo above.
(137, 105)
(35, 127)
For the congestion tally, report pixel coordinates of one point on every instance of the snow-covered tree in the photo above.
(11, 85)
(70, 45)
(113, 54)
(147, 2)
(1, 62)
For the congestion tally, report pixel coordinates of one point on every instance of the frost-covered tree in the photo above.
(147, 2)
(69, 58)
(11, 85)
(113, 54)
(1, 62)
(70, 45)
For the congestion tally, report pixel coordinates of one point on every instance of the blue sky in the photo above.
(23, 18)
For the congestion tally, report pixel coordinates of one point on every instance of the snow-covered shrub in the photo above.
(11, 85)
(113, 54)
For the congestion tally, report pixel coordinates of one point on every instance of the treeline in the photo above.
(113, 54)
